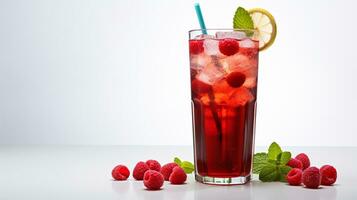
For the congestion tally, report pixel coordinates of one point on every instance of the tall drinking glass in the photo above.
(224, 72)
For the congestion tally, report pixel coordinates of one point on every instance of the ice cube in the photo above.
(240, 96)
(247, 43)
(211, 46)
(204, 36)
(231, 34)
(250, 82)
(211, 74)
(241, 63)
(222, 86)
(219, 99)
(198, 62)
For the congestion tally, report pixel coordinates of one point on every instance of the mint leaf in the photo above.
(284, 157)
(283, 171)
(177, 161)
(243, 20)
(259, 161)
(273, 151)
(188, 167)
(273, 162)
(269, 173)
(271, 166)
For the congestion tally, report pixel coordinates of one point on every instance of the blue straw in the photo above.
(200, 18)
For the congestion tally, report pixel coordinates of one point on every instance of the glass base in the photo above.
(239, 180)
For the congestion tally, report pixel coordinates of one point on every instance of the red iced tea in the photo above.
(224, 72)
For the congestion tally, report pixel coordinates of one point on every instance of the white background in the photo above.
(117, 72)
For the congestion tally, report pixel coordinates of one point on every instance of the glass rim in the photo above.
(222, 29)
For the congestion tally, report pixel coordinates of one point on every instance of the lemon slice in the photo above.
(265, 26)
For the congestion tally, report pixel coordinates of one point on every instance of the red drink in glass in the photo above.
(224, 69)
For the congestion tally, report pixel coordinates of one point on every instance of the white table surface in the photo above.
(84, 172)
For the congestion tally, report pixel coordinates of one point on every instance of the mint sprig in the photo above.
(269, 172)
(284, 157)
(259, 161)
(284, 170)
(177, 161)
(273, 151)
(272, 166)
(243, 20)
(187, 166)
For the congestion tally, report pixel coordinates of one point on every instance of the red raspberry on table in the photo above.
(328, 175)
(139, 170)
(199, 87)
(304, 159)
(294, 176)
(166, 170)
(295, 163)
(178, 176)
(153, 180)
(228, 46)
(153, 165)
(120, 173)
(196, 46)
(311, 177)
(235, 79)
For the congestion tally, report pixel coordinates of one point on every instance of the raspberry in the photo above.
(236, 79)
(178, 176)
(166, 170)
(311, 177)
(328, 175)
(153, 165)
(120, 173)
(200, 87)
(228, 46)
(304, 159)
(196, 46)
(294, 176)
(153, 180)
(139, 170)
(295, 163)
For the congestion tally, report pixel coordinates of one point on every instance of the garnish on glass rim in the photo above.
(257, 19)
